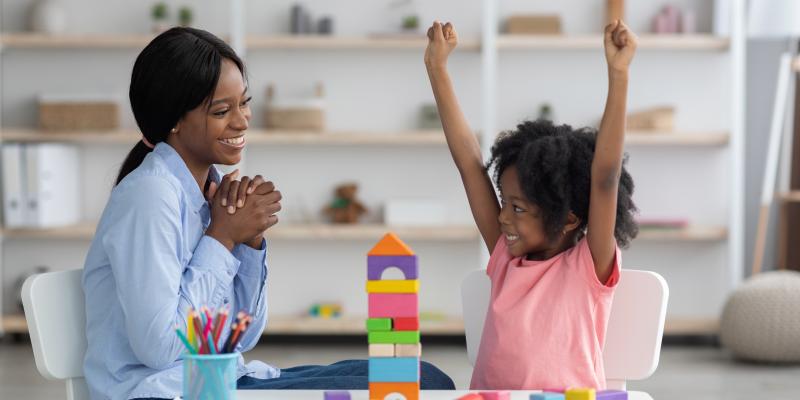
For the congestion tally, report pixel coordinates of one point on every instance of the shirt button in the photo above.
(225, 300)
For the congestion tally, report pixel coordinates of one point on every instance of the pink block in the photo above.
(389, 305)
(500, 395)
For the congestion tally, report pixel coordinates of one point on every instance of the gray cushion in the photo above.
(761, 319)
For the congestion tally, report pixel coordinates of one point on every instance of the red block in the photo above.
(405, 324)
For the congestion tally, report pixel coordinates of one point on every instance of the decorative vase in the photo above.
(48, 17)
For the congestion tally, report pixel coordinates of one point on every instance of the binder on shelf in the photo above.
(52, 195)
(13, 186)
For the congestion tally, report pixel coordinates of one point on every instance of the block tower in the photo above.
(393, 323)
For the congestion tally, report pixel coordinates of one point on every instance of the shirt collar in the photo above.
(180, 170)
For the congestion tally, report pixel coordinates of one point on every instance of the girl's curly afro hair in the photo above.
(554, 164)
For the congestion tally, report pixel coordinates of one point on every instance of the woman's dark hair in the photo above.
(174, 74)
(554, 164)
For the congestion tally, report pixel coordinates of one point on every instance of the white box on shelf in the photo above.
(13, 186)
(53, 185)
(414, 213)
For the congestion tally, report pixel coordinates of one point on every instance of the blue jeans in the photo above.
(345, 375)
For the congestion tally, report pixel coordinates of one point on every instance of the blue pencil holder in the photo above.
(209, 376)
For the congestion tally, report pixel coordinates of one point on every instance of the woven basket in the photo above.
(78, 115)
(306, 119)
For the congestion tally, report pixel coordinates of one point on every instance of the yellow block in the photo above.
(579, 394)
(389, 286)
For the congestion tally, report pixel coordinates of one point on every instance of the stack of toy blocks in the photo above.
(393, 324)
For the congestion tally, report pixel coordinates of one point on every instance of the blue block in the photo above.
(337, 395)
(400, 369)
(547, 396)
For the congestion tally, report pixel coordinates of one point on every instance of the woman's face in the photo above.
(215, 134)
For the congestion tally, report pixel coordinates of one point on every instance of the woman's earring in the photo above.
(173, 130)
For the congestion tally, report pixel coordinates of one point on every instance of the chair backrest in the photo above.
(635, 327)
(54, 310)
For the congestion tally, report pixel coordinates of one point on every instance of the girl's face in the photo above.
(520, 220)
(215, 134)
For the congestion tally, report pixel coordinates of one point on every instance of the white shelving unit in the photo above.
(482, 72)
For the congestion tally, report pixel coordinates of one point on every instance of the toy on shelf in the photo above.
(160, 15)
(671, 20)
(393, 321)
(661, 119)
(303, 114)
(533, 25)
(325, 310)
(345, 208)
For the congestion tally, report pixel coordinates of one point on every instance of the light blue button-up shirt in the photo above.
(149, 262)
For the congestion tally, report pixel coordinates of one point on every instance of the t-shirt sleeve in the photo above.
(499, 256)
(585, 263)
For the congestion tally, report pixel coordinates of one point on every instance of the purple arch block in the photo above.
(377, 264)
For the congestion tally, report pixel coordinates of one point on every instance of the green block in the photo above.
(379, 324)
(400, 337)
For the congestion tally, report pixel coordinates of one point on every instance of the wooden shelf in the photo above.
(83, 231)
(319, 231)
(371, 232)
(378, 42)
(346, 138)
(689, 234)
(587, 42)
(74, 41)
(255, 137)
(291, 325)
(791, 197)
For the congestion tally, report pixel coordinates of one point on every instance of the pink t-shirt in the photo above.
(546, 322)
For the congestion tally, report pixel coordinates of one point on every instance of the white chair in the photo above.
(54, 309)
(635, 327)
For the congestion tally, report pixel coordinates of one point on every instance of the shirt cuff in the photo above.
(253, 261)
(212, 255)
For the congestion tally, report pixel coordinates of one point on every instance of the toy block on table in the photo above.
(496, 395)
(391, 305)
(405, 323)
(393, 286)
(579, 394)
(390, 245)
(381, 350)
(408, 350)
(379, 390)
(379, 324)
(609, 394)
(406, 264)
(405, 369)
(401, 337)
(547, 396)
(337, 395)
(471, 396)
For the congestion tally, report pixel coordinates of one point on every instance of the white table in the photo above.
(363, 395)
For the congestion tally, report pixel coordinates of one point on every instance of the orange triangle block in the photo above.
(391, 245)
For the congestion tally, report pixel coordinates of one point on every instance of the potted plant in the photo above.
(160, 14)
(410, 23)
(185, 16)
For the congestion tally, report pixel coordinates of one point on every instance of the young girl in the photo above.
(565, 206)
(175, 236)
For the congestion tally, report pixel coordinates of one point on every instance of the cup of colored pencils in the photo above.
(209, 368)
